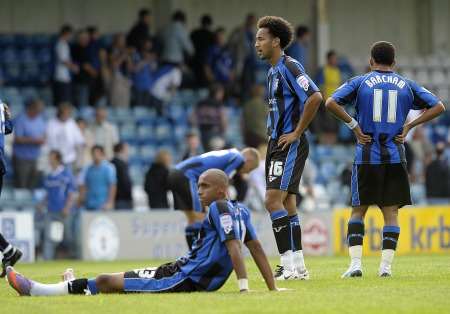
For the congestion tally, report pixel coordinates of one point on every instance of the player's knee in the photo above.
(272, 202)
(104, 282)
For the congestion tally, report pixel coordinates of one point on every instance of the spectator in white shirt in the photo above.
(176, 41)
(64, 135)
(64, 66)
(104, 132)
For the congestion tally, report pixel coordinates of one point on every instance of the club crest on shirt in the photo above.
(226, 222)
(303, 82)
(275, 83)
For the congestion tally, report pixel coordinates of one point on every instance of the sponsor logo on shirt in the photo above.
(226, 222)
(303, 82)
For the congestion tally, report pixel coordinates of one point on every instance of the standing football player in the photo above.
(383, 100)
(10, 254)
(293, 103)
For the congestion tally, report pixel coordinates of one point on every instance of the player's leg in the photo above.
(366, 185)
(355, 236)
(107, 283)
(391, 232)
(396, 194)
(281, 230)
(290, 203)
(181, 189)
(10, 253)
(283, 172)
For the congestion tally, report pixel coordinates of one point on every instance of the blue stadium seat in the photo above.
(145, 132)
(137, 172)
(9, 55)
(46, 95)
(6, 40)
(41, 40)
(29, 92)
(163, 132)
(147, 152)
(127, 131)
(26, 55)
(43, 55)
(31, 73)
(23, 41)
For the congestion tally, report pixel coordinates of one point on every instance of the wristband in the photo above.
(243, 284)
(352, 124)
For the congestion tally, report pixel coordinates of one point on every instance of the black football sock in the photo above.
(355, 232)
(390, 237)
(282, 230)
(3, 243)
(296, 233)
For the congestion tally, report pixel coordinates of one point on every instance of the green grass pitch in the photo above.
(421, 284)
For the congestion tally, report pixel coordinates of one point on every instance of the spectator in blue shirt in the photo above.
(143, 65)
(60, 187)
(219, 63)
(30, 128)
(98, 183)
(299, 48)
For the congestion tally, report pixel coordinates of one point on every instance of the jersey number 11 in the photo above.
(378, 105)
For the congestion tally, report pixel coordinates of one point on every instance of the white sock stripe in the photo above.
(8, 248)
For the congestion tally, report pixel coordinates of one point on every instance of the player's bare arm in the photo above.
(340, 113)
(427, 115)
(235, 252)
(311, 107)
(260, 258)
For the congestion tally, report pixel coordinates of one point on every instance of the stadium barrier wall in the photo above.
(160, 234)
(18, 229)
(422, 230)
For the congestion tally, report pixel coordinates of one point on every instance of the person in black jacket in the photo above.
(437, 177)
(141, 30)
(124, 199)
(156, 180)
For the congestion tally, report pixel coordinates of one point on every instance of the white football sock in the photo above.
(387, 256)
(286, 260)
(299, 261)
(355, 253)
(41, 289)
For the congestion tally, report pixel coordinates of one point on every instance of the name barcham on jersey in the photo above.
(378, 79)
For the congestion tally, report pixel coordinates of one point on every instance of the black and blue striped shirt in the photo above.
(288, 89)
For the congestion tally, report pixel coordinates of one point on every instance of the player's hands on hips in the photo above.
(401, 137)
(361, 137)
(287, 139)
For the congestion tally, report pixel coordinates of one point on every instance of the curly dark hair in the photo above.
(278, 27)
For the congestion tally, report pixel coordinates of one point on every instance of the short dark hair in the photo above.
(179, 16)
(57, 154)
(206, 20)
(278, 27)
(65, 29)
(98, 147)
(92, 29)
(143, 13)
(301, 31)
(330, 53)
(119, 147)
(383, 52)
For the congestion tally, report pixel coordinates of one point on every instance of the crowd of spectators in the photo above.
(82, 164)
